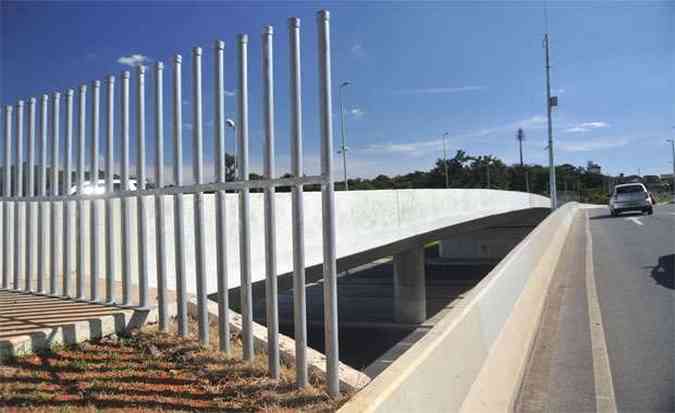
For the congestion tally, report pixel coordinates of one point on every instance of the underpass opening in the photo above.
(370, 338)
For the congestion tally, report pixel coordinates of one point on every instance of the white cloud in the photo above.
(134, 60)
(422, 147)
(413, 148)
(594, 125)
(592, 145)
(587, 126)
(230, 93)
(358, 50)
(536, 121)
(438, 90)
(558, 91)
(358, 113)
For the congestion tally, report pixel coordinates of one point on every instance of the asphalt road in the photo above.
(629, 347)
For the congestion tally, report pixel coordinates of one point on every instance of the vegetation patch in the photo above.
(150, 371)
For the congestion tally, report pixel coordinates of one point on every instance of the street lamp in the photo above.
(487, 169)
(672, 144)
(445, 158)
(229, 123)
(343, 148)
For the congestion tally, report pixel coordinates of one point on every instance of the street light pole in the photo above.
(232, 124)
(343, 149)
(445, 158)
(487, 169)
(549, 105)
(672, 144)
(520, 136)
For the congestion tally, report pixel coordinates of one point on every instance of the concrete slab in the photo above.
(29, 323)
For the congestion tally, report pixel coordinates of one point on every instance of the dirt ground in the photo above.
(150, 371)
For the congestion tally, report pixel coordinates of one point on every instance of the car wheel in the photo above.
(651, 211)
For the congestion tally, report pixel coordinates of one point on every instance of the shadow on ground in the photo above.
(150, 371)
(623, 215)
(664, 272)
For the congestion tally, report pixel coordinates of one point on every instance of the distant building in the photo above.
(593, 168)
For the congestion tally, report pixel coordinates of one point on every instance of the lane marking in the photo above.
(635, 220)
(605, 399)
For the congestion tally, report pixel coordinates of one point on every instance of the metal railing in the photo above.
(25, 208)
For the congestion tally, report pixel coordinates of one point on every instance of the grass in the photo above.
(663, 197)
(151, 371)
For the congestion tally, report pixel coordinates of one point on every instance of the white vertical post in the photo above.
(42, 191)
(30, 192)
(298, 222)
(270, 210)
(82, 123)
(18, 190)
(244, 206)
(67, 183)
(328, 207)
(221, 211)
(198, 168)
(124, 202)
(160, 213)
(7, 192)
(110, 265)
(179, 208)
(55, 236)
(95, 230)
(140, 184)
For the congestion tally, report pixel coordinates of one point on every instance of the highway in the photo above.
(606, 337)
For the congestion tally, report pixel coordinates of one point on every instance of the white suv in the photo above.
(630, 197)
(99, 188)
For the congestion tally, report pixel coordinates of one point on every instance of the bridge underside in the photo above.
(367, 291)
(524, 218)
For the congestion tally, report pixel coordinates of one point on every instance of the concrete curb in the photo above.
(350, 379)
(76, 332)
(472, 360)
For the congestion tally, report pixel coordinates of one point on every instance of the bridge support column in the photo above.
(410, 301)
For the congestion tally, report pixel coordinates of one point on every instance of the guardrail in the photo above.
(28, 199)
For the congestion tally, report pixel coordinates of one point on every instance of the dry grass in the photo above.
(149, 371)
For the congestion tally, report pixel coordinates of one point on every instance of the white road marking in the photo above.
(605, 399)
(635, 220)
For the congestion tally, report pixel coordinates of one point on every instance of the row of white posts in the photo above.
(24, 200)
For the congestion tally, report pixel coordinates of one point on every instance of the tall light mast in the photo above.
(550, 102)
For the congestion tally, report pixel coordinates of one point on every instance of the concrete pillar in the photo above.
(410, 301)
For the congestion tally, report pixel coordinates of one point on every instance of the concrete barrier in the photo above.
(365, 220)
(473, 358)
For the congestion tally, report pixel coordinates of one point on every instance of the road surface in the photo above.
(606, 339)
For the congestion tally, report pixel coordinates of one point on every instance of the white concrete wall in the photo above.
(471, 360)
(492, 243)
(365, 219)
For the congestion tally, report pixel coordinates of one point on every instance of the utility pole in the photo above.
(487, 169)
(445, 158)
(550, 102)
(672, 144)
(343, 149)
(520, 136)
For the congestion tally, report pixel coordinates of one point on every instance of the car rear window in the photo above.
(629, 189)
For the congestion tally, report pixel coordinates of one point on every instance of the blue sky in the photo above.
(418, 69)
